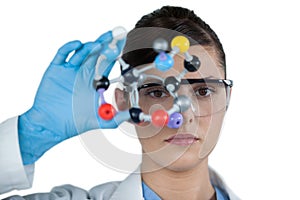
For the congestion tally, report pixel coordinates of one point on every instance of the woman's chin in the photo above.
(178, 162)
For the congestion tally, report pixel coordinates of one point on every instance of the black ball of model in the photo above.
(102, 83)
(171, 84)
(192, 65)
(135, 114)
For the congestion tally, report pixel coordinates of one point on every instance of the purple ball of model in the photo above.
(175, 120)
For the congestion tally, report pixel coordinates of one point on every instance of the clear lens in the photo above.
(209, 97)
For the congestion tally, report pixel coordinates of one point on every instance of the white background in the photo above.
(258, 152)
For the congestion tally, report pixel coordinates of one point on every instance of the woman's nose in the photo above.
(188, 116)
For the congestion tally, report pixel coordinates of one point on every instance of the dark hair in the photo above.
(138, 49)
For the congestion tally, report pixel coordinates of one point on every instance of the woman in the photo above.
(175, 161)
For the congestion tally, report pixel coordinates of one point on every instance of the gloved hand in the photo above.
(66, 102)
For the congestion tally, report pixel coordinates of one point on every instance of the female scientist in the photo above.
(174, 160)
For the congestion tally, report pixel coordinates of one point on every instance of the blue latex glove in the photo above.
(66, 102)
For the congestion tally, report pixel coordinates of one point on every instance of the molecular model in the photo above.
(109, 116)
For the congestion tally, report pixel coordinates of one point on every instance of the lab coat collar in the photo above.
(130, 188)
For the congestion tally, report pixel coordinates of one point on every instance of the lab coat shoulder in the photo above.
(70, 192)
(104, 191)
(64, 192)
(107, 191)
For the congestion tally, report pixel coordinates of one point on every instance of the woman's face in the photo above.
(185, 147)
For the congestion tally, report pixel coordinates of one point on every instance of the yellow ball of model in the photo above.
(181, 42)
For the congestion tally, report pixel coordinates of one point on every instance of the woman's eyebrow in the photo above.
(147, 85)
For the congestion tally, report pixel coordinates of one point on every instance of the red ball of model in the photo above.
(106, 111)
(160, 118)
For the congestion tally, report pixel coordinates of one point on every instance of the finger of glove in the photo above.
(64, 51)
(91, 58)
(81, 54)
(120, 45)
(105, 37)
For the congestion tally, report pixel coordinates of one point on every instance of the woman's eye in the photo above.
(157, 93)
(204, 92)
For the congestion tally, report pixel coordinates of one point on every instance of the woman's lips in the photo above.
(182, 139)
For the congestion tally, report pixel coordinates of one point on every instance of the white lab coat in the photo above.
(13, 175)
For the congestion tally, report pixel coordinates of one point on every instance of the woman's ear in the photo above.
(121, 99)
